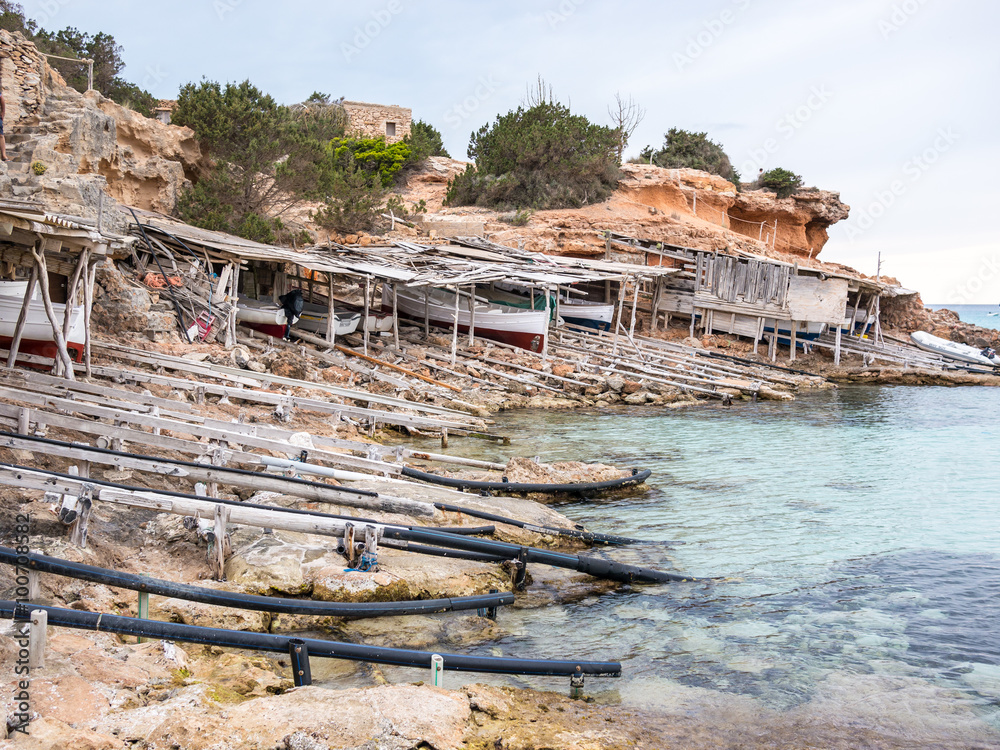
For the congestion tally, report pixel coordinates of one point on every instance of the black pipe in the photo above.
(586, 536)
(504, 486)
(108, 623)
(601, 568)
(79, 571)
(456, 554)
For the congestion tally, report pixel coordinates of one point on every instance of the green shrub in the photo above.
(424, 140)
(781, 181)
(373, 156)
(541, 157)
(354, 201)
(684, 149)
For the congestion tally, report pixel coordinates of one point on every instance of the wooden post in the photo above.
(454, 332)
(472, 315)
(635, 307)
(395, 316)
(444, 437)
(34, 585)
(548, 313)
(23, 420)
(88, 308)
(22, 319)
(143, 612)
(219, 556)
(234, 296)
(71, 290)
(792, 339)
(836, 346)
(331, 321)
(364, 320)
(759, 334)
(84, 505)
(427, 313)
(36, 639)
(618, 315)
(349, 542)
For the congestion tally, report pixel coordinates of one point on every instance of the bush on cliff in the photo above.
(683, 149)
(424, 140)
(540, 157)
(781, 181)
(266, 157)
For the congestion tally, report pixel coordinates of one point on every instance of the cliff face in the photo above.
(86, 142)
(681, 206)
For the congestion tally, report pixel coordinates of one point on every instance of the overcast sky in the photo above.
(893, 103)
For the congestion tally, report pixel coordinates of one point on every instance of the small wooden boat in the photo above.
(511, 325)
(581, 312)
(596, 315)
(953, 350)
(37, 337)
(271, 320)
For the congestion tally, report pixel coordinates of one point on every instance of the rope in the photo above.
(367, 564)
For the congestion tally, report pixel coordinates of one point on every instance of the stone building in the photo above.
(375, 120)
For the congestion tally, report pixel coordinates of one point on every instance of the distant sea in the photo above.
(976, 314)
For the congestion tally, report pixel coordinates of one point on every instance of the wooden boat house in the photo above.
(48, 263)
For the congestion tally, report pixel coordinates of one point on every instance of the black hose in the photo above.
(579, 488)
(586, 536)
(79, 571)
(72, 618)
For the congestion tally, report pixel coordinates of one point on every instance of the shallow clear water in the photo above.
(857, 531)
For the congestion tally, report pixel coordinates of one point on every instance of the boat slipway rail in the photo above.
(576, 488)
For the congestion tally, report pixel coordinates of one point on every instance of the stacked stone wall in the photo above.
(22, 69)
(369, 120)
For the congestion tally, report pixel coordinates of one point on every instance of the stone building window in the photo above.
(390, 129)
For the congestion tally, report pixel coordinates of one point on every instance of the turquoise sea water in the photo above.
(976, 314)
(858, 535)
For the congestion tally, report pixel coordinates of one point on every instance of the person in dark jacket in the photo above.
(292, 303)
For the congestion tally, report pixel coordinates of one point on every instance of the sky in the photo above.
(891, 103)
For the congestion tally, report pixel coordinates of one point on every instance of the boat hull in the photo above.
(952, 349)
(524, 329)
(37, 338)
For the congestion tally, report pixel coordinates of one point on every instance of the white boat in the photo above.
(512, 325)
(270, 319)
(37, 337)
(314, 318)
(953, 349)
(581, 312)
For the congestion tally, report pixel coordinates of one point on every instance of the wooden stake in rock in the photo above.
(63, 358)
(22, 319)
(221, 543)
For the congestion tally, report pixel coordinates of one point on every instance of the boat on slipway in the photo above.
(585, 313)
(525, 329)
(271, 319)
(953, 350)
(37, 337)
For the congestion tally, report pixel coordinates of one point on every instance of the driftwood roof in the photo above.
(465, 261)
